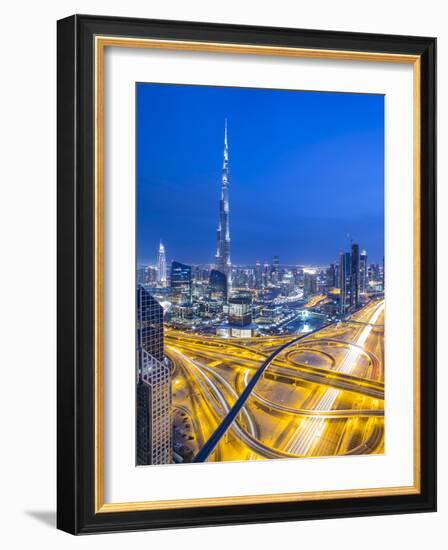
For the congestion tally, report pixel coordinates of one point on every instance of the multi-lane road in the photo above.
(321, 396)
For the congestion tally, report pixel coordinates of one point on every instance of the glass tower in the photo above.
(344, 282)
(354, 277)
(218, 285)
(153, 395)
(181, 283)
(240, 310)
(161, 265)
(363, 271)
(309, 284)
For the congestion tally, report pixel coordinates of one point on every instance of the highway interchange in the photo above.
(321, 396)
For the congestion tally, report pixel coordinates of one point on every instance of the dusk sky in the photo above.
(306, 169)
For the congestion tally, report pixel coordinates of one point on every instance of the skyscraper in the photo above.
(161, 266)
(344, 281)
(181, 283)
(354, 277)
(266, 274)
(258, 275)
(330, 277)
(275, 269)
(223, 262)
(309, 283)
(153, 422)
(240, 310)
(141, 275)
(363, 271)
(218, 285)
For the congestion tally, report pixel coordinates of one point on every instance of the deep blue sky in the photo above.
(306, 169)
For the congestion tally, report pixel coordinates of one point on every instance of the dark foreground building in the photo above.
(218, 285)
(153, 395)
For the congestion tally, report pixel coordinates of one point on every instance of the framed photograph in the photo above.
(246, 274)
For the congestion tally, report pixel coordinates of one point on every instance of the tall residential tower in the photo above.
(363, 271)
(223, 263)
(344, 282)
(354, 277)
(161, 266)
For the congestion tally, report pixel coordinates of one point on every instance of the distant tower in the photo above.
(218, 285)
(258, 275)
(181, 283)
(354, 277)
(266, 274)
(363, 271)
(275, 269)
(309, 284)
(223, 262)
(344, 281)
(161, 266)
(330, 277)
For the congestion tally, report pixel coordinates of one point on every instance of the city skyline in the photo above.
(242, 351)
(264, 261)
(316, 239)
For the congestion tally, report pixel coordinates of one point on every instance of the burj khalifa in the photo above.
(223, 263)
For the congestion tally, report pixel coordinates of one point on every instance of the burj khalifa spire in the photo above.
(223, 262)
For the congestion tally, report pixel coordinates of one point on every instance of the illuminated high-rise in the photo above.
(240, 310)
(363, 271)
(344, 282)
(181, 283)
(309, 283)
(153, 395)
(275, 269)
(354, 277)
(223, 262)
(266, 274)
(258, 275)
(161, 266)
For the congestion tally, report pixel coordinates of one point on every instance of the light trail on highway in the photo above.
(248, 437)
(321, 396)
(310, 430)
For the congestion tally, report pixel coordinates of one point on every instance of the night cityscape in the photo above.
(258, 359)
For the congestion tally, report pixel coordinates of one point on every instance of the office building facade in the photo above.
(218, 285)
(181, 283)
(240, 310)
(309, 284)
(354, 277)
(363, 286)
(153, 393)
(331, 277)
(344, 282)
